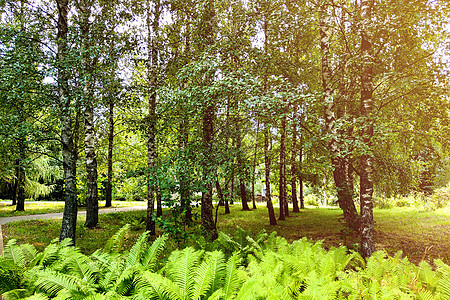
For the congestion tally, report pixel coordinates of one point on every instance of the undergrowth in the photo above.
(244, 267)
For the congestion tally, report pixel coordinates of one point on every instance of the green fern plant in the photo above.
(264, 267)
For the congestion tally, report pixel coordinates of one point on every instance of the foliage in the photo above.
(440, 198)
(275, 269)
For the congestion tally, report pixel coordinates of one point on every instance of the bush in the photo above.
(311, 200)
(382, 203)
(440, 198)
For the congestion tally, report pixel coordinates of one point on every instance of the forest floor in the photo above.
(421, 235)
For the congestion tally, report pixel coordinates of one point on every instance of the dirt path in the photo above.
(5, 220)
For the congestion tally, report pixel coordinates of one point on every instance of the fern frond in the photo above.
(217, 295)
(218, 266)
(443, 287)
(48, 256)
(208, 275)
(16, 294)
(247, 291)
(150, 256)
(232, 280)
(78, 264)
(53, 283)
(134, 256)
(38, 296)
(14, 253)
(181, 266)
(124, 283)
(10, 275)
(426, 295)
(67, 242)
(327, 265)
(156, 286)
(116, 242)
(113, 273)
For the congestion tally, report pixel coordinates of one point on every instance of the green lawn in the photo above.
(37, 208)
(421, 235)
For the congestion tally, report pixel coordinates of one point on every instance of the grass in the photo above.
(37, 208)
(420, 235)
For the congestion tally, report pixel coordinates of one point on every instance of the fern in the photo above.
(150, 255)
(10, 275)
(117, 241)
(134, 256)
(53, 283)
(444, 287)
(16, 294)
(248, 290)
(181, 265)
(124, 283)
(48, 256)
(156, 286)
(78, 264)
(233, 280)
(208, 275)
(15, 253)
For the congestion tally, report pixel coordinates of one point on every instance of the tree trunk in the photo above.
(152, 29)
(294, 174)
(183, 139)
(158, 201)
(232, 187)
(240, 165)
(89, 136)
(344, 195)
(267, 163)
(16, 183)
(207, 206)
(20, 203)
(366, 163)
(219, 192)
(284, 211)
(300, 171)
(108, 202)
(254, 166)
(69, 221)
(208, 113)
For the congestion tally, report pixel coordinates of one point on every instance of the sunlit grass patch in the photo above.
(38, 207)
(41, 232)
(31, 208)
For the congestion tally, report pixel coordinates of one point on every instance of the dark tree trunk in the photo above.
(267, 163)
(20, 192)
(184, 175)
(240, 166)
(69, 221)
(302, 200)
(344, 195)
(232, 187)
(15, 192)
(152, 29)
(208, 113)
(227, 142)
(254, 166)
(284, 211)
(366, 163)
(294, 174)
(219, 192)
(158, 201)
(108, 202)
(207, 206)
